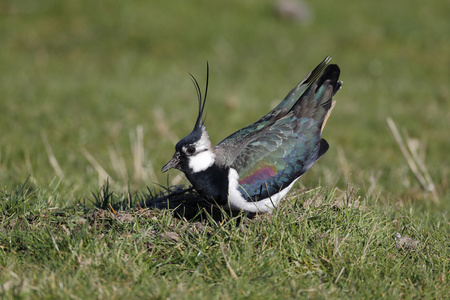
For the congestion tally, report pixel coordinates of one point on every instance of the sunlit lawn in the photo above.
(85, 87)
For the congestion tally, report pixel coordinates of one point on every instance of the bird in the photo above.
(254, 168)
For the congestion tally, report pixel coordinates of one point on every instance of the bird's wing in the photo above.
(279, 155)
(278, 112)
(271, 153)
(294, 95)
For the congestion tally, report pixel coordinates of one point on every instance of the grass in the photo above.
(320, 244)
(96, 92)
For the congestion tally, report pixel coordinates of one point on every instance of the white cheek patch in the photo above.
(201, 161)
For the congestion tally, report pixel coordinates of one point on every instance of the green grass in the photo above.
(319, 244)
(84, 87)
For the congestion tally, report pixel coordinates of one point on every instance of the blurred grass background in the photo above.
(79, 78)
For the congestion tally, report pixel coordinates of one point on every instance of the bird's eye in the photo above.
(190, 150)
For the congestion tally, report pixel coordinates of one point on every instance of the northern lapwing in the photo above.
(255, 167)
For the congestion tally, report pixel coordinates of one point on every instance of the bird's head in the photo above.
(194, 152)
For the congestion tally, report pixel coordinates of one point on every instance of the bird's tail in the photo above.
(317, 101)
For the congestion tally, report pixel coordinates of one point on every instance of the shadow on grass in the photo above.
(184, 202)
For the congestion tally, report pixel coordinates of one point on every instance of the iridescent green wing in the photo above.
(277, 157)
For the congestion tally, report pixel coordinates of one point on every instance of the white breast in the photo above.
(237, 202)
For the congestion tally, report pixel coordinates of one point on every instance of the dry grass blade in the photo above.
(414, 146)
(363, 256)
(51, 157)
(103, 176)
(339, 276)
(343, 162)
(232, 273)
(162, 127)
(118, 163)
(151, 172)
(415, 163)
(137, 146)
(373, 180)
(177, 179)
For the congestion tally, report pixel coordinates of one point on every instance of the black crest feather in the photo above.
(201, 100)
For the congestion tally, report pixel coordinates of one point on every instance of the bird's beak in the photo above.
(173, 163)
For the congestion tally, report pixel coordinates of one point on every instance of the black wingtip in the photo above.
(323, 148)
(331, 73)
(314, 74)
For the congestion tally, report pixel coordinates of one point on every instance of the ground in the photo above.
(94, 97)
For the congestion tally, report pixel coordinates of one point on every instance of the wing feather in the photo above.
(271, 162)
(273, 152)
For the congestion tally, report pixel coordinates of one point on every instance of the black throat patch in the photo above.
(212, 183)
